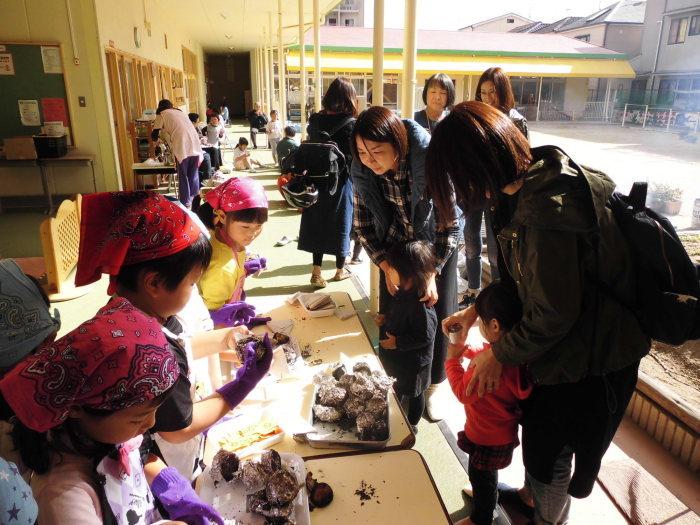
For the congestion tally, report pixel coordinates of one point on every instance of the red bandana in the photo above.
(237, 194)
(117, 359)
(127, 227)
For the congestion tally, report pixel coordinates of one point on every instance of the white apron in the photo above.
(128, 493)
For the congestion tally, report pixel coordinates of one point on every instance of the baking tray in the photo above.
(334, 435)
(229, 499)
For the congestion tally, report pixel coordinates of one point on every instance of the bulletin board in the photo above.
(32, 89)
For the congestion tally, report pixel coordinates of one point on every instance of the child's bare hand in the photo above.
(380, 319)
(389, 343)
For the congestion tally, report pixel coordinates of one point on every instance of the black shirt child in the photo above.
(176, 412)
(414, 325)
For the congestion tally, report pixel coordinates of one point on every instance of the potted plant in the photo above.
(665, 198)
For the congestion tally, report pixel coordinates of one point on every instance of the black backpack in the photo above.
(667, 285)
(319, 160)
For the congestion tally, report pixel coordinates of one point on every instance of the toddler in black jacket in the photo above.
(408, 325)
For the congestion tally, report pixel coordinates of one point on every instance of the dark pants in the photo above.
(485, 490)
(205, 171)
(416, 407)
(253, 135)
(188, 179)
(215, 156)
(339, 260)
(472, 248)
(446, 306)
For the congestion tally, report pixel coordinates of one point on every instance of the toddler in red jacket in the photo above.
(491, 431)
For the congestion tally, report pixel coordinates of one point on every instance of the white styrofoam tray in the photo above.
(229, 499)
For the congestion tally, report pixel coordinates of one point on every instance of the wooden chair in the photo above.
(60, 242)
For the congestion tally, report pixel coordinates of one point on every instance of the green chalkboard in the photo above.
(30, 82)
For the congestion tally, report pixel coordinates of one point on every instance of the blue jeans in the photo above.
(472, 248)
(552, 500)
(188, 179)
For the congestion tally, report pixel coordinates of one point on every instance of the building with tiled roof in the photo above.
(545, 67)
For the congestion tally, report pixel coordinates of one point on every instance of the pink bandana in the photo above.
(118, 359)
(237, 194)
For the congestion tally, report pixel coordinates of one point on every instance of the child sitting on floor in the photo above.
(409, 325)
(287, 146)
(491, 432)
(241, 157)
(235, 212)
(82, 405)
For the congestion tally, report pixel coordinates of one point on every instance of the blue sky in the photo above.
(454, 14)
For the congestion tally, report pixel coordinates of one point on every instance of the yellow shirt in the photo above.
(222, 282)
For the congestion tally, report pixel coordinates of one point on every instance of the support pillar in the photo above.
(378, 57)
(302, 70)
(409, 59)
(266, 66)
(539, 98)
(377, 100)
(273, 97)
(318, 80)
(280, 65)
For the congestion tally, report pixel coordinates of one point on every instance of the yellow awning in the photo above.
(473, 65)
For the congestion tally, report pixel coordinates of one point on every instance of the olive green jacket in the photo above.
(561, 242)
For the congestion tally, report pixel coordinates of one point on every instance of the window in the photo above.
(349, 22)
(584, 38)
(694, 26)
(510, 20)
(676, 34)
(332, 21)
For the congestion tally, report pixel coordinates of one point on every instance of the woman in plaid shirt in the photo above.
(390, 206)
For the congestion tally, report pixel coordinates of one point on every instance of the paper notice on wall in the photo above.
(29, 112)
(54, 109)
(7, 65)
(51, 57)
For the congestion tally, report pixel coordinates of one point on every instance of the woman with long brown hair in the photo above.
(325, 226)
(495, 90)
(390, 207)
(556, 241)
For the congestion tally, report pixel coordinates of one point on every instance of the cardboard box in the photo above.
(20, 148)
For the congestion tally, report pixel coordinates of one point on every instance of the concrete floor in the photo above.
(289, 271)
(629, 155)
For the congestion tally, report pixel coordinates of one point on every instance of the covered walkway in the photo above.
(109, 48)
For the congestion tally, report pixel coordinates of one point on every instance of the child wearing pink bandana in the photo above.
(235, 213)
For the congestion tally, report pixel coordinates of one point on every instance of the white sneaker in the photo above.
(251, 170)
(433, 408)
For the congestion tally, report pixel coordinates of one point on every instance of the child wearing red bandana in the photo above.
(82, 405)
(155, 253)
(235, 212)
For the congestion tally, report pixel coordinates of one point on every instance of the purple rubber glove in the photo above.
(257, 321)
(180, 500)
(233, 314)
(255, 265)
(248, 375)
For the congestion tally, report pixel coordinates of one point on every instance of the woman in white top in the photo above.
(185, 145)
